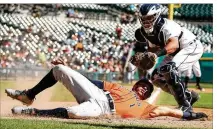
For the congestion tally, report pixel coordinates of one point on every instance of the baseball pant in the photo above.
(196, 70)
(186, 57)
(92, 100)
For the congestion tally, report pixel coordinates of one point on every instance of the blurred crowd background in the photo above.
(90, 37)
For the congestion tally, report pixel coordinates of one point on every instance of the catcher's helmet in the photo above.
(148, 15)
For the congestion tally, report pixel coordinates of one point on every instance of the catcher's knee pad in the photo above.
(170, 73)
(159, 81)
(177, 87)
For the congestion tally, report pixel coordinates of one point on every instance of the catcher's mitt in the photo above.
(144, 61)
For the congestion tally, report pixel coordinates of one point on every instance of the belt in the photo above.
(110, 101)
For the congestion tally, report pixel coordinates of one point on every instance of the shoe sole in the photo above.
(12, 96)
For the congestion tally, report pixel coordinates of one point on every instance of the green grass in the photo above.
(206, 100)
(62, 94)
(48, 124)
(6, 84)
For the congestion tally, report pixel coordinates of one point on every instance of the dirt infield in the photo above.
(43, 102)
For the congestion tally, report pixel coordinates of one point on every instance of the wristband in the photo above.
(161, 52)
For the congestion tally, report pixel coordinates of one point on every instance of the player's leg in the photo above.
(57, 112)
(92, 100)
(166, 77)
(176, 85)
(89, 108)
(188, 74)
(28, 96)
(197, 73)
(80, 87)
(165, 111)
(159, 80)
(84, 110)
(181, 62)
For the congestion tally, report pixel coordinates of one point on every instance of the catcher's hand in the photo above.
(144, 61)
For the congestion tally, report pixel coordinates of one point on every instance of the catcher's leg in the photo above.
(176, 86)
(159, 81)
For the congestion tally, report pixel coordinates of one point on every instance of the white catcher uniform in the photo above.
(155, 32)
(190, 49)
(189, 52)
(92, 100)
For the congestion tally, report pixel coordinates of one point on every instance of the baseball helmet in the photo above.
(148, 15)
(146, 83)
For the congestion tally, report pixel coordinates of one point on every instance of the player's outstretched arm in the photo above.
(165, 111)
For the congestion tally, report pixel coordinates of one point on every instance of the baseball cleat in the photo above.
(19, 95)
(22, 110)
(200, 88)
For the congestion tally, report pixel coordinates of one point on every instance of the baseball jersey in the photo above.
(127, 103)
(163, 30)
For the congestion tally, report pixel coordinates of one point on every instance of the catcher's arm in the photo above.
(171, 46)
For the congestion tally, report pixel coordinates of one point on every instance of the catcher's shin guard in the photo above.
(159, 81)
(176, 85)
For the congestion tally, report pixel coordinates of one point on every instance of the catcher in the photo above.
(163, 37)
(96, 98)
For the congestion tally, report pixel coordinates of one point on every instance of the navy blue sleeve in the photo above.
(97, 83)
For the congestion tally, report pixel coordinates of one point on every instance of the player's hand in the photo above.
(58, 61)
